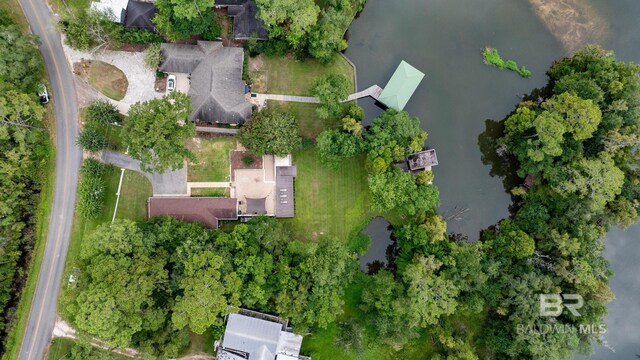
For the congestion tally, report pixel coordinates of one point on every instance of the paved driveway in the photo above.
(167, 183)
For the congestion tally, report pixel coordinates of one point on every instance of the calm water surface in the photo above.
(444, 38)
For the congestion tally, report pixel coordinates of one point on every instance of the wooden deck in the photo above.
(372, 91)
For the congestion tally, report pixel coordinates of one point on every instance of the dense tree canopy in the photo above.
(271, 132)
(291, 19)
(21, 66)
(331, 90)
(156, 130)
(182, 18)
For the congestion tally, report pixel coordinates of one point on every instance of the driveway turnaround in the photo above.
(42, 314)
(168, 183)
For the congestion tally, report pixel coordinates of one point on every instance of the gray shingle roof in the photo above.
(258, 338)
(139, 15)
(284, 191)
(245, 19)
(217, 90)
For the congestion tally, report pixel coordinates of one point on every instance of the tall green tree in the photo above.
(331, 90)
(20, 62)
(291, 19)
(271, 132)
(156, 130)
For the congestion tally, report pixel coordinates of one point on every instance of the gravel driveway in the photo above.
(141, 79)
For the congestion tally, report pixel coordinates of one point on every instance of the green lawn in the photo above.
(108, 79)
(212, 158)
(60, 348)
(278, 75)
(308, 121)
(133, 205)
(329, 202)
(210, 192)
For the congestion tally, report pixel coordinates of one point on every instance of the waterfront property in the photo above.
(245, 19)
(250, 335)
(214, 76)
(401, 86)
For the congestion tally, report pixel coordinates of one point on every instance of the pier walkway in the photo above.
(372, 91)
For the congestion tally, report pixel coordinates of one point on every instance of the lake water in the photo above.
(444, 39)
(380, 247)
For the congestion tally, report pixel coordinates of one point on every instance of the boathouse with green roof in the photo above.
(401, 86)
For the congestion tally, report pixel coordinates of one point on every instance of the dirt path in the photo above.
(575, 23)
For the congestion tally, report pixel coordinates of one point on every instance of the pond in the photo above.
(444, 39)
(380, 248)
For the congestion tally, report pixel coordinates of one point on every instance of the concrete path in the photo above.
(42, 313)
(372, 91)
(217, 130)
(168, 183)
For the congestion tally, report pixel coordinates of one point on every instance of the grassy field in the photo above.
(308, 121)
(61, 348)
(329, 202)
(108, 79)
(212, 158)
(278, 75)
(133, 205)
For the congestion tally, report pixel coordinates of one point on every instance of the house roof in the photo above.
(251, 338)
(401, 86)
(217, 91)
(139, 15)
(285, 191)
(204, 210)
(256, 206)
(422, 160)
(245, 19)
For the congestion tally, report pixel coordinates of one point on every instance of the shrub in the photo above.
(139, 36)
(153, 56)
(92, 168)
(247, 160)
(359, 243)
(275, 47)
(102, 112)
(90, 197)
(92, 139)
(330, 90)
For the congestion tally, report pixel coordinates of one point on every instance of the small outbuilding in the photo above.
(401, 86)
(139, 15)
(422, 160)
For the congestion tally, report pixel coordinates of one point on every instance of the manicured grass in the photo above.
(212, 159)
(133, 205)
(43, 212)
(210, 192)
(60, 348)
(329, 202)
(308, 121)
(69, 5)
(15, 11)
(108, 79)
(291, 77)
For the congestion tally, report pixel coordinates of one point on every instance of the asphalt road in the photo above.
(68, 158)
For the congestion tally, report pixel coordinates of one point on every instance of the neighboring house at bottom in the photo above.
(204, 210)
(218, 94)
(254, 336)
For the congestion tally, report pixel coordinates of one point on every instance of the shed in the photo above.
(140, 15)
(401, 86)
(422, 160)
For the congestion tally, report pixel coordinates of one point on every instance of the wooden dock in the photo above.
(372, 91)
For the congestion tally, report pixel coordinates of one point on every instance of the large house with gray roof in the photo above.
(218, 94)
(250, 335)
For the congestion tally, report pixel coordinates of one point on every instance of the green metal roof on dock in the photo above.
(401, 86)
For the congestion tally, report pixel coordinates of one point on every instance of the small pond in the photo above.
(380, 249)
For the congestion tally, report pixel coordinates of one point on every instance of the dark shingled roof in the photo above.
(139, 15)
(204, 210)
(217, 90)
(422, 159)
(284, 191)
(245, 19)
(256, 206)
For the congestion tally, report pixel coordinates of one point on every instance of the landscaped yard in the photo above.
(108, 79)
(133, 205)
(212, 159)
(278, 75)
(308, 121)
(329, 202)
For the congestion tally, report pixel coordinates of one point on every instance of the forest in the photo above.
(24, 155)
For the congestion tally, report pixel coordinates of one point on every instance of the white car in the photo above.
(43, 94)
(171, 83)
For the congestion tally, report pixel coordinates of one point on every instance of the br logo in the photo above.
(553, 305)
